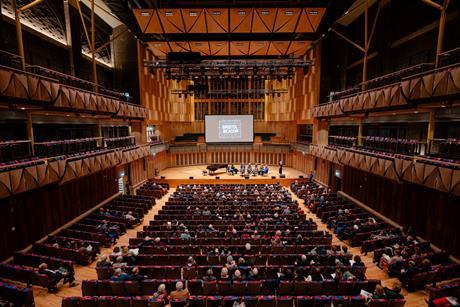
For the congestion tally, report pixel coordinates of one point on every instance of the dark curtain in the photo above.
(434, 214)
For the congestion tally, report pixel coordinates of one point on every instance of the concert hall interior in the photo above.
(229, 153)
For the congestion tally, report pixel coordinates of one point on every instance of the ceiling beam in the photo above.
(230, 37)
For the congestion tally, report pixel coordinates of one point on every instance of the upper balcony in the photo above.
(398, 90)
(53, 90)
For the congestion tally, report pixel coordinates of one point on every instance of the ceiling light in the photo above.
(168, 13)
(265, 12)
(216, 13)
(193, 13)
(347, 12)
(241, 13)
(415, 112)
(313, 12)
(23, 108)
(145, 14)
(289, 13)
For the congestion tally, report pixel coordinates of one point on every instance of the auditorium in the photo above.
(228, 153)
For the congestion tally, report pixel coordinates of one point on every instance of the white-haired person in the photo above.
(161, 294)
(180, 293)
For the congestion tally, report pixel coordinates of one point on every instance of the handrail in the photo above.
(68, 140)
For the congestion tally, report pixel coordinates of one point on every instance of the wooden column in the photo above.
(30, 133)
(360, 133)
(93, 49)
(431, 127)
(442, 24)
(17, 17)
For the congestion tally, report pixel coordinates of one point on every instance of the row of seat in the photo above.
(254, 287)
(15, 295)
(228, 301)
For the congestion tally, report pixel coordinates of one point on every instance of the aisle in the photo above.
(413, 299)
(43, 298)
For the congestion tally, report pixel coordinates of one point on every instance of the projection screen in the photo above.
(229, 128)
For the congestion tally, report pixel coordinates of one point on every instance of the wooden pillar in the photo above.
(17, 17)
(442, 23)
(366, 45)
(431, 127)
(30, 133)
(93, 49)
(360, 133)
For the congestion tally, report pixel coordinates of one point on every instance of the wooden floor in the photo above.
(42, 298)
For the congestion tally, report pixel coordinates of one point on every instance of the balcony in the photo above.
(22, 87)
(430, 86)
(435, 174)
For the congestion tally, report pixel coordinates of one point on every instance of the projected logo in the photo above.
(229, 129)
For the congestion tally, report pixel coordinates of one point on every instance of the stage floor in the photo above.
(181, 175)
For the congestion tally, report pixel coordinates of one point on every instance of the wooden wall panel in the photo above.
(432, 213)
(27, 217)
(138, 171)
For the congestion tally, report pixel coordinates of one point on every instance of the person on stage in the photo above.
(242, 169)
(256, 170)
(249, 169)
(281, 167)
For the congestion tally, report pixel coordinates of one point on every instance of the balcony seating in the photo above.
(401, 146)
(345, 141)
(65, 147)
(16, 296)
(374, 235)
(14, 150)
(117, 142)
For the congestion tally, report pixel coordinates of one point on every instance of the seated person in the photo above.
(119, 275)
(256, 170)
(103, 262)
(209, 276)
(180, 293)
(249, 169)
(395, 293)
(379, 293)
(55, 276)
(242, 169)
(161, 294)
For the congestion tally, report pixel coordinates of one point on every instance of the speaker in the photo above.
(217, 177)
(273, 177)
(282, 176)
(162, 177)
(246, 176)
(300, 177)
(191, 177)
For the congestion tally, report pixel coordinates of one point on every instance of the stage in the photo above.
(181, 175)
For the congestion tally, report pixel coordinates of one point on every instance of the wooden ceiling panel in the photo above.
(180, 46)
(264, 20)
(172, 20)
(315, 15)
(217, 20)
(278, 47)
(154, 25)
(201, 47)
(194, 20)
(239, 48)
(143, 18)
(304, 25)
(259, 48)
(298, 48)
(159, 49)
(287, 20)
(241, 20)
(219, 48)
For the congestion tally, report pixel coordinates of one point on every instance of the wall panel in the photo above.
(434, 215)
(29, 216)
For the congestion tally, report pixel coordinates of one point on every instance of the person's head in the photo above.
(161, 288)
(209, 273)
(119, 259)
(247, 246)
(190, 260)
(43, 266)
(426, 263)
(117, 272)
(179, 286)
(357, 259)
(238, 274)
(224, 272)
(303, 257)
(103, 258)
(254, 271)
(116, 249)
(345, 249)
(135, 270)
